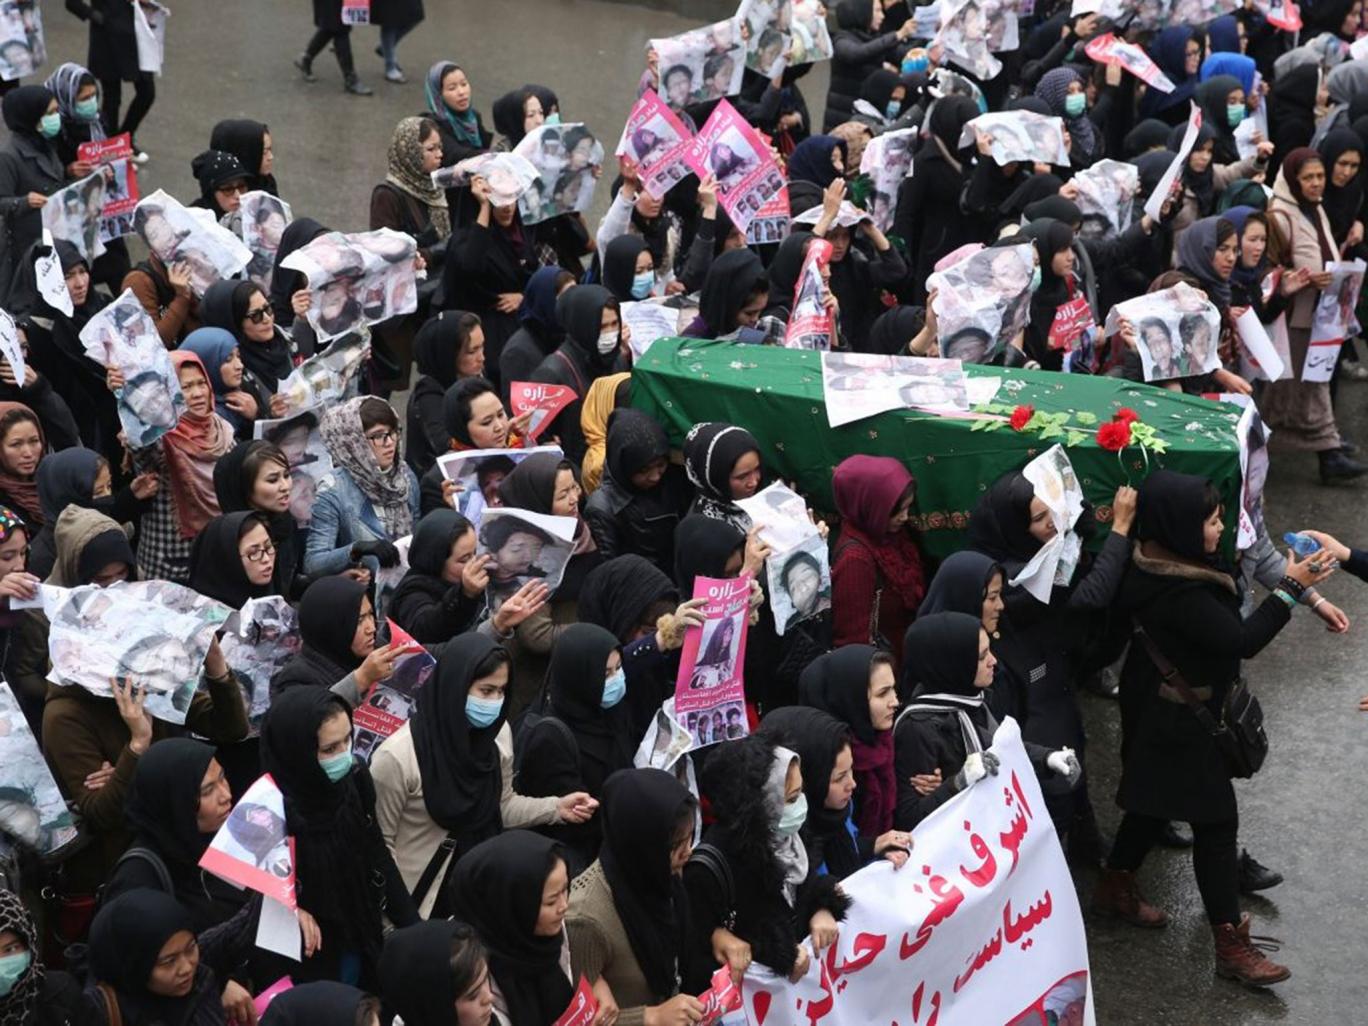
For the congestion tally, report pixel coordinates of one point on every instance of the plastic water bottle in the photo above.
(1302, 544)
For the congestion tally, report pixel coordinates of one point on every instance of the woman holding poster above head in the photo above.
(1300, 411)
(860, 46)
(444, 780)
(774, 900)
(346, 881)
(489, 261)
(1183, 665)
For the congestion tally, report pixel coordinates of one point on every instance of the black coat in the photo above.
(427, 437)
(432, 610)
(26, 165)
(397, 13)
(1171, 768)
(624, 521)
(928, 217)
(856, 56)
(113, 52)
(568, 366)
(522, 354)
(478, 268)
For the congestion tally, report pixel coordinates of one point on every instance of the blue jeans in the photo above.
(389, 44)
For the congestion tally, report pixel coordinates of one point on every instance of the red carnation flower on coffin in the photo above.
(1127, 415)
(1114, 435)
(1021, 416)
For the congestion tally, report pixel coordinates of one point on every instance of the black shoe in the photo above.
(1336, 466)
(1255, 876)
(305, 65)
(379, 52)
(1348, 448)
(356, 87)
(1173, 837)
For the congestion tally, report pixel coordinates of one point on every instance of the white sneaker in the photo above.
(139, 157)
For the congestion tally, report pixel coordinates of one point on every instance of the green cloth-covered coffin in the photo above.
(777, 394)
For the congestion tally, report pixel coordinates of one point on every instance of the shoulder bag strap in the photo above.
(1172, 677)
(570, 364)
(113, 1017)
(445, 851)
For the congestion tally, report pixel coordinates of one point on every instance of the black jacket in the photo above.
(856, 55)
(26, 165)
(479, 267)
(113, 52)
(432, 610)
(641, 523)
(427, 437)
(1171, 767)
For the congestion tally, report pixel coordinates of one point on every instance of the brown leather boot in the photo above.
(1118, 894)
(1239, 958)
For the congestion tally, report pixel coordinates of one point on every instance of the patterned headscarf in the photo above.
(65, 84)
(387, 490)
(10, 522)
(18, 1005)
(406, 172)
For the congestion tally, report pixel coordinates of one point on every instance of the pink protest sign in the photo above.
(658, 142)
(734, 153)
(710, 691)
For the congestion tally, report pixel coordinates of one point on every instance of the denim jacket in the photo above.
(342, 516)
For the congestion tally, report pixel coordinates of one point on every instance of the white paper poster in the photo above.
(1155, 203)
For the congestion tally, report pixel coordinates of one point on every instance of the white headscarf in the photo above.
(788, 850)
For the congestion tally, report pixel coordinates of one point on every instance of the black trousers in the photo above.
(1215, 859)
(341, 41)
(144, 92)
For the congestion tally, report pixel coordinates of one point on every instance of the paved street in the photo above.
(1303, 815)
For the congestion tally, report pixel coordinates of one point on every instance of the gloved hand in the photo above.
(977, 766)
(380, 549)
(1065, 763)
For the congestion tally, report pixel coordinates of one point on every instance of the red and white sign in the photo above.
(252, 849)
(811, 324)
(710, 691)
(583, 1007)
(981, 926)
(1107, 49)
(545, 401)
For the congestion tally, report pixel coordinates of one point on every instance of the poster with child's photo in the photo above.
(733, 153)
(479, 472)
(524, 547)
(124, 336)
(658, 142)
(252, 849)
(568, 159)
(710, 683)
(1176, 332)
(702, 64)
(32, 809)
(799, 583)
(264, 220)
(356, 279)
(206, 252)
(299, 438)
(23, 49)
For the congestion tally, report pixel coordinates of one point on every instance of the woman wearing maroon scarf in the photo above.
(876, 574)
(857, 686)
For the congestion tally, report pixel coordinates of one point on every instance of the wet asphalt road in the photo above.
(1303, 815)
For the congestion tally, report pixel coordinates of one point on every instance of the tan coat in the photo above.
(599, 945)
(412, 836)
(1304, 246)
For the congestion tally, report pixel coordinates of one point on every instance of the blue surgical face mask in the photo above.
(87, 109)
(481, 712)
(12, 968)
(614, 688)
(50, 125)
(1035, 277)
(792, 818)
(1075, 104)
(893, 109)
(915, 65)
(642, 284)
(1235, 113)
(337, 766)
(552, 119)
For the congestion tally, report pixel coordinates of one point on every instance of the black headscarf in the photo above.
(580, 312)
(126, 939)
(731, 278)
(328, 616)
(321, 1003)
(24, 108)
(163, 800)
(538, 310)
(1000, 526)
(1292, 107)
(331, 826)
(619, 265)
(458, 763)
(433, 538)
(1149, 134)
(1211, 97)
(635, 440)
(1343, 204)
(246, 140)
(946, 124)
(415, 972)
(894, 329)
(1065, 211)
(641, 811)
(67, 478)
(1170, 511)
(225, 306)
(214, 169)
(940, 655)
(818, 738)
(234, 491)
(702, 548)
(531, 485)
(960, 584)
(618, 592)
(284, 282)
(1202, 185)
(811, 161)
(711, 451)
(574, 686)
(838, 684)
(509, 119)
(437, 346)
(216, 567)
(497, 889)
(1035, 188)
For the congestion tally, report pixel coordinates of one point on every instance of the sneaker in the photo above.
(1354, 370)
(139, 156)
(305, 65)
(395, 75)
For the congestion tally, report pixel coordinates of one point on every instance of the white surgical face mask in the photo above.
(608, 341)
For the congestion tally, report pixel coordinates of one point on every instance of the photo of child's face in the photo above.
(678, 86)
(517, 555)
(804, 584)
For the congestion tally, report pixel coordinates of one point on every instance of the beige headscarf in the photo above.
(406, 173)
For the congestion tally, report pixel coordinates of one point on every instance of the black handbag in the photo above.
(1239, 735)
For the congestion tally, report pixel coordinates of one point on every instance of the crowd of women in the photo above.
(504, 842)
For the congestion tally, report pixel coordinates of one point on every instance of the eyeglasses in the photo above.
(382, 437)
(259, 553)
(260, 314)
(240, 188)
